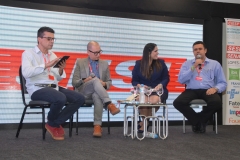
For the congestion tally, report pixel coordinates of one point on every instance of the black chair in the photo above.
(89, 103)
(35, 105)
(195, 104)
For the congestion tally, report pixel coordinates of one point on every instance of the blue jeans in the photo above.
(58, 114)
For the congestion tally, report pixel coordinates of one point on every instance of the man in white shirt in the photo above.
(42, 82)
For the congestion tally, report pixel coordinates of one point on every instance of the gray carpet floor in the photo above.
(178, 146)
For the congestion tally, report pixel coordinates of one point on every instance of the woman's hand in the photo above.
(139, 85)
(158, 87)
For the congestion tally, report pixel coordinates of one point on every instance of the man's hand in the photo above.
(103, 83)
(211, 91)
(51, 63)
(197, 62)
(62, 65)
(87, 79)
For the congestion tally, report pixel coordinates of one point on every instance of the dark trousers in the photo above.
(181, 103)
(57, 115)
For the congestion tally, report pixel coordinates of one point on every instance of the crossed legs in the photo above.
(94, 90)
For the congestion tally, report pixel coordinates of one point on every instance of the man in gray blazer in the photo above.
(92, 78)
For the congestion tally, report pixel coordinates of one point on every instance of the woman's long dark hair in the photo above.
(146, 68)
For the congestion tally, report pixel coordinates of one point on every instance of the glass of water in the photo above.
(160, 92)
(148, 92)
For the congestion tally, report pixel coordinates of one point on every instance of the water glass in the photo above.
(148, 92)
(159, 93)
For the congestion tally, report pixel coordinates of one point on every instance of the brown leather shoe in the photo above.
(97, 131)
(61, 131)
(113, 109)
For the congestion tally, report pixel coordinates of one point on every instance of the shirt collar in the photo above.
(37, 50)
(206, 60)
(91, 61)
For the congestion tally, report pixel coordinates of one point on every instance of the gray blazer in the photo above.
(82, 71)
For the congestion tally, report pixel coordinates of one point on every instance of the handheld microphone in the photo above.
(199, 57)
(92, 74)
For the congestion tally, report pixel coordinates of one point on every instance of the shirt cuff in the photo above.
(80, 82)
(216, 89)
(63, 74)
(42, 65)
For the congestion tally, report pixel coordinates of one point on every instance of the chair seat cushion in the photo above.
(37, 103)
(198, 101)
(88, 103)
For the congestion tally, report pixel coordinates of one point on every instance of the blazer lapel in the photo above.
(100, 68)
(85, 63)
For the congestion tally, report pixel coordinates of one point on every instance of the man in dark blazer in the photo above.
(92, 78)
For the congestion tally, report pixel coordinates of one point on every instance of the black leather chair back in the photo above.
(23, 85)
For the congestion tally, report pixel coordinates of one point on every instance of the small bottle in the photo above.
(151, 135)
(142, 94)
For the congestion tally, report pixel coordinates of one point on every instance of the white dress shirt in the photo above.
(33, 65)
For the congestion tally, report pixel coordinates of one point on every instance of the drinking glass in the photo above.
(134, 90)
(159, 93)
(148, 92)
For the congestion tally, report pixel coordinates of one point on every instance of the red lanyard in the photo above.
(90, 67)
(199, 70)
(46, 60)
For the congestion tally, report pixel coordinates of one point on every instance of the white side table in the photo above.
(156, 120)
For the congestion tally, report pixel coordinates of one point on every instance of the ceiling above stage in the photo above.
(194, 9)
(225, 1)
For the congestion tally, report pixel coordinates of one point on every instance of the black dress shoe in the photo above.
(202, 127)
(141, 131)
(139, 126)
(195, 128)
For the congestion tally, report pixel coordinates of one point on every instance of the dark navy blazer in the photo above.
(157, 77)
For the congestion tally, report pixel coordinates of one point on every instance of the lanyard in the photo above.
(46, 60)
(90, 67)
(199, 70)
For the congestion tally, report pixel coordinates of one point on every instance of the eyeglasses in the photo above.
(96, 53)
(50, 39)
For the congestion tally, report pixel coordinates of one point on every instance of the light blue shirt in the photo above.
(33, 71)
(212, 75)
(95, 67)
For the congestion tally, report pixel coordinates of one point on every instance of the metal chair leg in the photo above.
(77, 123)
(108, 122)
(214, 122)
(184, 127)
(21, 122)
(43, 123)
(70, 126)
(216, 130)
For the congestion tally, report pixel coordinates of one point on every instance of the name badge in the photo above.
(198, 78)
